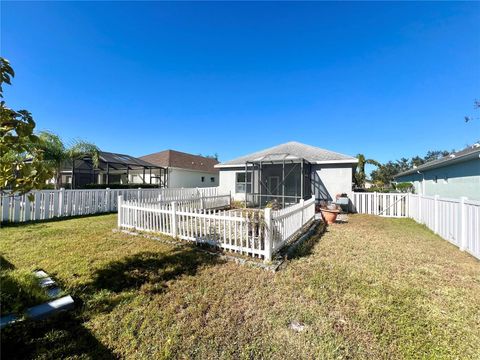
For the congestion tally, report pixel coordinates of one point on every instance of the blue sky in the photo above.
(384, 79)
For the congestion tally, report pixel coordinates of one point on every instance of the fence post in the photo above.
(419, 206)
(61, 195)
(173, 219)
(202, 202)
(375, 203)
(268, 234)
(463, 223)
(435, 214)
(139, 194)
(120, 211)
(108, 203)
(302, 204)
(407, 206)
(5, 208)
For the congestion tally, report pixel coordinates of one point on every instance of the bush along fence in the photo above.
(252, 232)
(49, 204)
(455, 220)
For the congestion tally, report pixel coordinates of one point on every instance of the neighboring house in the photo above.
(185, 170)
(368, 183)
(286, 173)
(112, 169)
(452, 176)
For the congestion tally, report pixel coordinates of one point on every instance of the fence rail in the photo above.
(49, 204)
(252, 232)
(455, 220)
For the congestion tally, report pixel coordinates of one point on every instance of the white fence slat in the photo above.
(63, 203)
(241, 231)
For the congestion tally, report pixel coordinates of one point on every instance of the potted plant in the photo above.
(329, 213)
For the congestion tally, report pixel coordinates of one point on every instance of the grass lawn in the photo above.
(372, 288)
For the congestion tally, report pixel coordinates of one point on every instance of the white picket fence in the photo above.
(257, 233)
(286, 222)
(455, 220)
(49, 204)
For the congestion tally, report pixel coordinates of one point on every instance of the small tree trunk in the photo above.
(58, 181)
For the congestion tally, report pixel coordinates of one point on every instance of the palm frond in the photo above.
(81, 149)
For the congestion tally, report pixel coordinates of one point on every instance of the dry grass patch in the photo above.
(372, 288)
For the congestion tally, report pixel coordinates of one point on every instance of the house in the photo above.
(452, 176)
(368, 184)
(287, 173)
(112, 169)
(185, 170)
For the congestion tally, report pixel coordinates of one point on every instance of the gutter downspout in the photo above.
(423, 181)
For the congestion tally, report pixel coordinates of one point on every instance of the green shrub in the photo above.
(237, 204)
(19, 290)
(404, 187)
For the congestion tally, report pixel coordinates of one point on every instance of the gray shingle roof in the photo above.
(464, 154)
(290, 151)
(123, 159)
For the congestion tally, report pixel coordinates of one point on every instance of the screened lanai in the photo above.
(282, 178)
(113, 169)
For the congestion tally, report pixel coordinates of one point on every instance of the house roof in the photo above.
(178, 159)
(469, 153)
(292, 151)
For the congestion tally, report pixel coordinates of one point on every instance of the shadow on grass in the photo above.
(299, 250)
(65, 336)
(149, 270)
(5, 264)
(57, 338)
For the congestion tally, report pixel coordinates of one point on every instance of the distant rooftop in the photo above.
(462, 155)
(292, 151)
(178, 159)
(123, 159)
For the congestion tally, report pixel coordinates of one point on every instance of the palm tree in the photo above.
(359, 174)
(56, 154)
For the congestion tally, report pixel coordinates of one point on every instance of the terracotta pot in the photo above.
(329, 215)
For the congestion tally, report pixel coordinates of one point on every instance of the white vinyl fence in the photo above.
(49, 204)
(455, 220)
(257, 233)
(286, 222)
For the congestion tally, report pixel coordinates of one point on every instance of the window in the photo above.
(203, 178)
(212, 179)
(240, 182)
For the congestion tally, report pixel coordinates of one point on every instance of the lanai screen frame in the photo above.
(283, 159)
(136, 164)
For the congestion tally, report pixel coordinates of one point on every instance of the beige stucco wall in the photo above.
(330, 180)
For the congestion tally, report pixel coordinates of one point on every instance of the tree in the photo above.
(435, 155)
(383, 176)
(214, 156)
(57, 155)
(21, 156)
(359, 174)
(476, 106)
